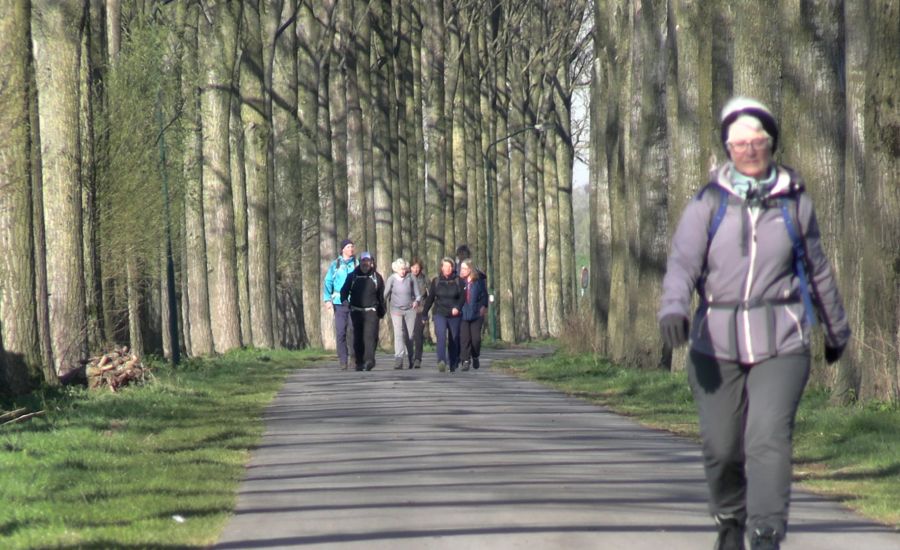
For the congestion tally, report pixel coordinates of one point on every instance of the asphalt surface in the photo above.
(418, 459)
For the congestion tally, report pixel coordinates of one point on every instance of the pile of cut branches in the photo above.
(18, 415)
(115, 369)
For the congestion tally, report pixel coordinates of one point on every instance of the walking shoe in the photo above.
(344, 366)
(765, 538)
(731, 534)
(475, 364)
(417, 364)
(370, 367)
(360, 367)
(442, 366)
(465, 365)
(399, 365)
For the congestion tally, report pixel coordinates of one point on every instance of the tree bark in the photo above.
(199, 326)
(308, 36)
(436, 192)
(218, 39)
(328, 236)
(18, 314)
(257, 136)
(56, 34)
(881, 380)
(356, 188)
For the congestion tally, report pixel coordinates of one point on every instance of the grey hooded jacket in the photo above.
(750, 307)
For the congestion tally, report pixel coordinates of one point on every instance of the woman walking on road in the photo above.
(447, 295)
(421, 326)
(750, 245)
(401, 291)
(473, 310)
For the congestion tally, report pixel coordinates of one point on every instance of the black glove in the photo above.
(674, 330)
(833, 354)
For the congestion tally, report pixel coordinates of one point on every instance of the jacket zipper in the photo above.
(754, 216)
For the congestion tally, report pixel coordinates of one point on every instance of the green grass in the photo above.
(849, 452)
(106, 469)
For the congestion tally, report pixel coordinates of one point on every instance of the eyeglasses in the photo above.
(757, 144)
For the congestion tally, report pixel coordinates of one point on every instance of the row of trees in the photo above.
(829, 70)
(177, 174)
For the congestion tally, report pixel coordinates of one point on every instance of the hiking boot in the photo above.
(475, 364)
(465, 365)
(765, 538)
(399, 365)
(731, 534)
(344, 366)
(360, 367)
(417, 364)
(442, 366)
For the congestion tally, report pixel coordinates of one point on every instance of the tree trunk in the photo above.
(199, 326)
(404, 235)
(757, 63)
(308, 33)
(618, 55)
(417, 134)
(436, 192)
(881, 380)
(135, 334)
(326, 169)
(455, 228)
(18, 314)
(565, 153)
(56, 33)
(237, 143)
(356, 188)
(337, 112)
(600, 227)
(650, 176)
(287, 210)
(851, 280)
(518, 77)
(257, 135)
(381, 137)
(91, 56)
(217, 39)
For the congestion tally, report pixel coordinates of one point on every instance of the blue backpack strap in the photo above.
(799, 261)
(717, 218)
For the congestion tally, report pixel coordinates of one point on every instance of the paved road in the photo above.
(481, 460)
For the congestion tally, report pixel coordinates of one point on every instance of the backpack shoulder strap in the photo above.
(719, 214)
(797, 243)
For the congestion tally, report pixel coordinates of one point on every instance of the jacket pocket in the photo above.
(713, 332)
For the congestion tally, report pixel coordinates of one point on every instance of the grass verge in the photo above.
(155, 466)
(849, 452)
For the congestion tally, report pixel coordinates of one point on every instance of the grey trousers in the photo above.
(746, 424)
(404, 322)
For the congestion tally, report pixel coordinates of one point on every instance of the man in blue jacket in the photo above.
(342, 266)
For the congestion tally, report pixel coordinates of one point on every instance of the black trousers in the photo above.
(418, 337)
(470, 338)
(365, 338)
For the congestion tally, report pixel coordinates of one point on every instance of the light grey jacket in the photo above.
(750, 306)
(403, 294)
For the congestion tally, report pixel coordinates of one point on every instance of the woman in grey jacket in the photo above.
(750, 245)
(402, 292)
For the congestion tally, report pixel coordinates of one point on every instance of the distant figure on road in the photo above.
(585, 279)
(342, 266)
(473, 312)
(418, 336)
(363, 291)
(401, 292)
(750, 245)
(447, 295)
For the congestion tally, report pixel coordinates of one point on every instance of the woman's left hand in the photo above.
(454, 312)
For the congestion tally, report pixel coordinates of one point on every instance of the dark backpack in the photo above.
(800, 267)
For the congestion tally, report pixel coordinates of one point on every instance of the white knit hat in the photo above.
(738, 106)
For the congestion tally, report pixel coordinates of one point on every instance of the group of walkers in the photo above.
(360, 298)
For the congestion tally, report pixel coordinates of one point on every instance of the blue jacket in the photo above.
(334, 279)
(476, 298)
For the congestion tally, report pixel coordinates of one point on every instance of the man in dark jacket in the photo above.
(363, 291)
